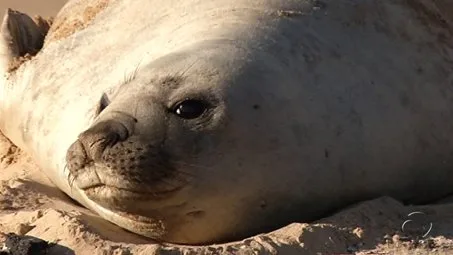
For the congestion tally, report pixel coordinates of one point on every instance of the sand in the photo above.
(33, 7)
(31, 205)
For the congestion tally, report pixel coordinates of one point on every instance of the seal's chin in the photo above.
(145, 226)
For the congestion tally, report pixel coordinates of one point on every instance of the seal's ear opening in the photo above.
(103, 103)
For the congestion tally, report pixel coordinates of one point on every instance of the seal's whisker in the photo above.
(127, 78)
(188, 68)
(137, 67)
(70, 178)
(65, 168)
(71, 181)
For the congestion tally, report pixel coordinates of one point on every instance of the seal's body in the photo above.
(205, 121)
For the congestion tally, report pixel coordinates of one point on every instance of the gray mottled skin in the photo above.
(315, 105)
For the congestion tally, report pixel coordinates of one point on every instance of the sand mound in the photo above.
(30, 205)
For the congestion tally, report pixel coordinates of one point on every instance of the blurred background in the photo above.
(44, 8)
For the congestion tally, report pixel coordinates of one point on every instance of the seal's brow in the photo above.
(171, 81)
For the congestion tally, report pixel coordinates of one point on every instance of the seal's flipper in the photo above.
(20, 36)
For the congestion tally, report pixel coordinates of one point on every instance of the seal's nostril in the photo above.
(76, 156)
(101, 136)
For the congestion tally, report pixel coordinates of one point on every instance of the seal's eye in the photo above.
(190, 108)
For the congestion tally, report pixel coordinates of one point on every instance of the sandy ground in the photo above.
(30, 205)
(33, 7)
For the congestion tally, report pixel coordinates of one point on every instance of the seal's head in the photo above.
(137, 149)
(177, 146)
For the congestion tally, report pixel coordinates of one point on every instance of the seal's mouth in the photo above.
(134, 193)
(101, 190)
(132, 201)
(100, 184)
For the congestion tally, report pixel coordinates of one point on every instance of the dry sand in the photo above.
(30, 205)
(33, 7)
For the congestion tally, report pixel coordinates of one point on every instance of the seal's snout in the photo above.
(92, 143)
(101, 136)
(113, 165)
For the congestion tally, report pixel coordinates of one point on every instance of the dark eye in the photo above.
(190, 108)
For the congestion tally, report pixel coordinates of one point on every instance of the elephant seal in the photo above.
(196, 122)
